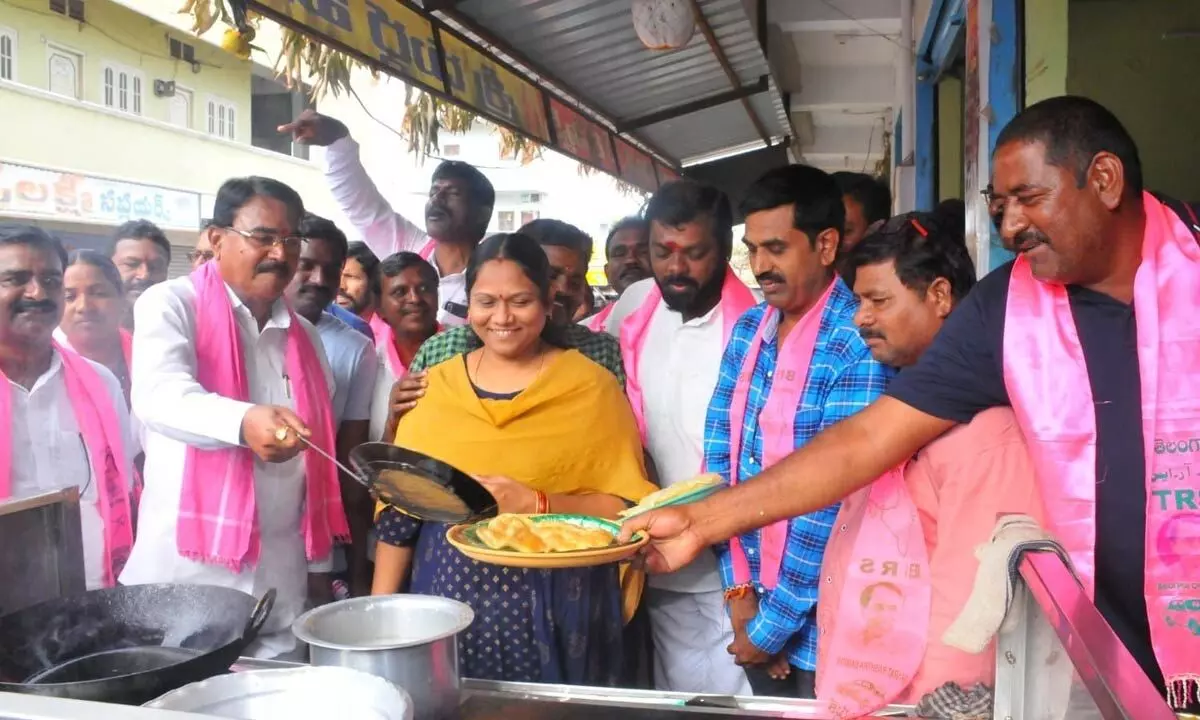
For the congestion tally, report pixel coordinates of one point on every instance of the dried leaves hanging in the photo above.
(624, 188)
(304, 60)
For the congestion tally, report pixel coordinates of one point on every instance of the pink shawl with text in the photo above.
(1047, 380)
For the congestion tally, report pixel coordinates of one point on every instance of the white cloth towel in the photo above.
(984, 614)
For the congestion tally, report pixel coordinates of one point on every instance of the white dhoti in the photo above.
(691, 632)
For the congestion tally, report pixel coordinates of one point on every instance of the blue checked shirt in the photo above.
(843, 378)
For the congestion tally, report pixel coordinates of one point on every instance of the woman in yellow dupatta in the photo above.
(528, 417)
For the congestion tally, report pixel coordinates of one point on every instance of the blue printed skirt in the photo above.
(548, 626)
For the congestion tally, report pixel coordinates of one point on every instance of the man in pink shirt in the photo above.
(909, 275)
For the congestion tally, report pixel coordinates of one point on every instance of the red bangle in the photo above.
(541, 503)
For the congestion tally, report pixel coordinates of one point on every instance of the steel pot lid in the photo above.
(383, 622)
(421, 486)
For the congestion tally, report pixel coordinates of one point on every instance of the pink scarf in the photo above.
(883, 613)
(217, 514)
(889, 547)
(127, 348)
(596, 322)
(736, 299)
(777, 423)
(387, 338)
(427, 249)
(379, 328)
(101, 430)
(1047, 380)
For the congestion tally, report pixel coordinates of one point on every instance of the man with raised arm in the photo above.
(456, 215)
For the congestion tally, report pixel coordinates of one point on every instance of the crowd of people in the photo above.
(874, 415)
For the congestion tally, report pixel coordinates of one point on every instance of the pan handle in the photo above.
(258, 616)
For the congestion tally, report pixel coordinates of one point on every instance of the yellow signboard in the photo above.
(389, 33)
(401, 40)
(494, 90)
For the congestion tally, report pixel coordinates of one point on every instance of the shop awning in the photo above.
(572, 74)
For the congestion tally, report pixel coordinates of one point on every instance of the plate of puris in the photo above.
(544, 542)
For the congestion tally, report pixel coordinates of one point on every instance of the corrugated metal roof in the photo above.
(591, 46)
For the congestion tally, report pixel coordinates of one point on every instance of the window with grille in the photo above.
(181, 50)
(71, 8)
(122, 89)
(506, 218)
(222, 118)
(8, 54)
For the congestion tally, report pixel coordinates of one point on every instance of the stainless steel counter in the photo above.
(490, 700)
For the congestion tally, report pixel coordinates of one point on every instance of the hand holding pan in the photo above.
(422, 486)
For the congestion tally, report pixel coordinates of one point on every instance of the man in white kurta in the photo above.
(48, 448)
(177, 412)
(675, 364)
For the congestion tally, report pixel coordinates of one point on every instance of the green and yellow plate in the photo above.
(466, 539)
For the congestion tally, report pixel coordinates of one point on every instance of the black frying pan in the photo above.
(127, 644)
(412, 471)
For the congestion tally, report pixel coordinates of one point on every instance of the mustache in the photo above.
(310, 289)
(139, 285)
(39, 306)
(437, 208)
(681, 280)
(1029, 238)
(769, 277)
(271, 266)
(868, 334)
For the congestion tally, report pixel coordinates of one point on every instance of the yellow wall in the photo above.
(114, 33)
(76, 137)
(46, 130)
(950, 138)
(1046, 46)
(1120, 57)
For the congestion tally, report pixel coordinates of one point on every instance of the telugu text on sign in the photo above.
(401, 40)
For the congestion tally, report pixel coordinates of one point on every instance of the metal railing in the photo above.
(1056, 656)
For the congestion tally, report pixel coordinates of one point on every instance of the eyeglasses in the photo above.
(199, 256)
(266, 240)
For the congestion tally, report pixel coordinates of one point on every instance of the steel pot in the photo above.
(410, 640)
